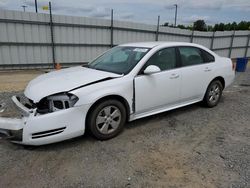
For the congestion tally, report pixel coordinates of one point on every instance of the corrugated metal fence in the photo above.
(26, 39)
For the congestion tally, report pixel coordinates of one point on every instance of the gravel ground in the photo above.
(188, 147)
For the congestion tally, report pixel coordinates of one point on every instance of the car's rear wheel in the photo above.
(107, 119)
(213, 94)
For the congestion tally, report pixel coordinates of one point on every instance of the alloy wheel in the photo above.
(214, 93)
(108, 119)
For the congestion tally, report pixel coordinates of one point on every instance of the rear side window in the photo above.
(190, 56)
(207, 57)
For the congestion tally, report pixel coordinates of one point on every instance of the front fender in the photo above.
(91, 94)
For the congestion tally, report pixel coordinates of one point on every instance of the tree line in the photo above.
(200, 25)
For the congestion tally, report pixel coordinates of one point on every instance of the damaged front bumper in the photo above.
(39, 129)
(12, 128)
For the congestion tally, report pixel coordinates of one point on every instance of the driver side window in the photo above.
(165, 59)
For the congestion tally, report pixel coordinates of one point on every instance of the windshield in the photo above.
(120, 59)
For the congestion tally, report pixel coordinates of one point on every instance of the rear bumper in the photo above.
(229, 79)
(37, 129)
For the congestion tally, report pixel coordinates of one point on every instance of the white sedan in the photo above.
(127, 82)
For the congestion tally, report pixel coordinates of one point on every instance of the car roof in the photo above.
(159, 43)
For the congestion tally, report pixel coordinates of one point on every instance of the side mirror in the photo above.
(151, 69)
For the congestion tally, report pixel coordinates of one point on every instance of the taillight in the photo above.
(233, 66)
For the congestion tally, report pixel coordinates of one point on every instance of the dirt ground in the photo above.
(17, 80)
(190, 147)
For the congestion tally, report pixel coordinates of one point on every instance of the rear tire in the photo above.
(213, 94)
(107, 119)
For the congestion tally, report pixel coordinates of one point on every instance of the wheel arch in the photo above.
(221, 79)
(113, 97)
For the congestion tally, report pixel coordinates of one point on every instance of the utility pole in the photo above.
(112, 29)
(24, 6)
(157, 29)
(52, 36)
(175, 18)
(36, 5)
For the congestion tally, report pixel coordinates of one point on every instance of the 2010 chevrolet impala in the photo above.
(127, 82)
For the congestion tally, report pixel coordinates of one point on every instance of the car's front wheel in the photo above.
(107, 119)
(213, 94)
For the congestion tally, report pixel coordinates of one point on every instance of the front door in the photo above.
(161, 89)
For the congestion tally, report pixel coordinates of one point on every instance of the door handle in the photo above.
(207, 69)
(174, 76)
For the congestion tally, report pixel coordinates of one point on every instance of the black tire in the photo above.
(97, 130)
(212, 97)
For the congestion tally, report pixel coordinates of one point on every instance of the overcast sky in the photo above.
(145, 11)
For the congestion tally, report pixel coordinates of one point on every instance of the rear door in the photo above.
(197, 68)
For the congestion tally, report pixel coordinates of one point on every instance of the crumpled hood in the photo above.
(63, 80)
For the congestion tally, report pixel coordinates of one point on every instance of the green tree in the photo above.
(182, 26)
(200, 25)
(243, 26)
(227, 27)
(233, 26)
(221, 27)
(209, 28)
(165, 24)
(216, 26)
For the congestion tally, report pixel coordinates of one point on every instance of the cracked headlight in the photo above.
(56, 102)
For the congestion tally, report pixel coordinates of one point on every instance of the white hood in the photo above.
(63, 80)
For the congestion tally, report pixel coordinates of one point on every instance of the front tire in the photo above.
(213, 94)
(107, 119)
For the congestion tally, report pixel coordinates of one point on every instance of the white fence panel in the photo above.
(25, 38)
